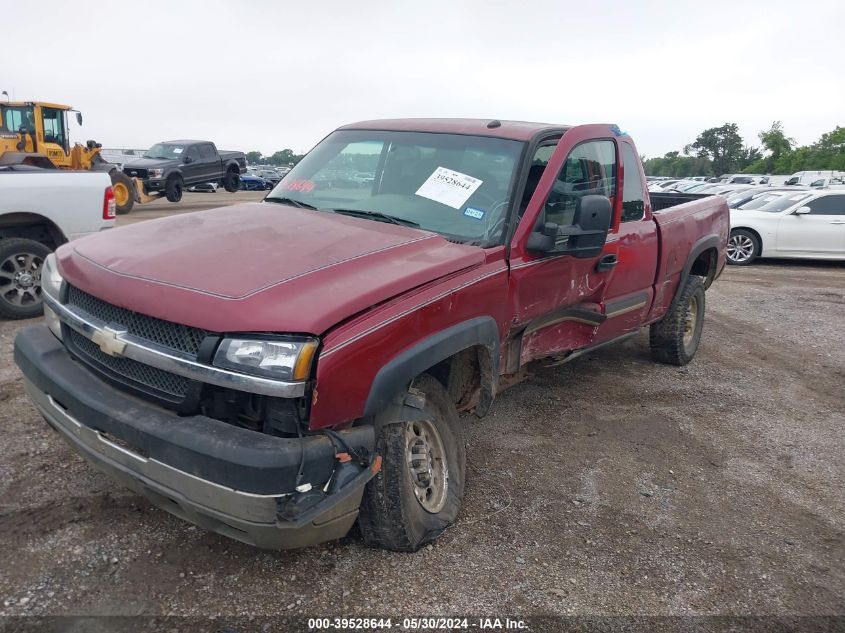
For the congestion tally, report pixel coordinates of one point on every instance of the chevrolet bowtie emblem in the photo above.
(108, 340)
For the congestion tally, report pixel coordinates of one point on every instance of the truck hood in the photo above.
(149, 163)
(259, 267)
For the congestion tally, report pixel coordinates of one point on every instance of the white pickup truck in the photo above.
(39, 211)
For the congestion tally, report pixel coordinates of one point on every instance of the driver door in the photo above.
(558, 297)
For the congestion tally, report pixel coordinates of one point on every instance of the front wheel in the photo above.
(743, 247)
(675, 338)
(419, 490)
(173, 189)
(124, 192)
(20, 277)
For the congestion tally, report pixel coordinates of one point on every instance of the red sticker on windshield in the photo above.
(298, 185)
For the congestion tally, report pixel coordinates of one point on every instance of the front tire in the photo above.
(21, 261)
(675, 338)
(743, 247)
(419, 490)
(124, 192)
(173, 189)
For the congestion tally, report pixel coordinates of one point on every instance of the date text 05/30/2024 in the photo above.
(412, 624)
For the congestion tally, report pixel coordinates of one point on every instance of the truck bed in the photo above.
(692, 219)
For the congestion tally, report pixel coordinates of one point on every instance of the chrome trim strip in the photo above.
(626, 310)
(148, 353)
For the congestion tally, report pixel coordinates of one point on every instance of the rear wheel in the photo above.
(20, 277)
(675, 338)
(173, 188)
(124, 192)
(419, 490)
(743, 247)
(232, 181)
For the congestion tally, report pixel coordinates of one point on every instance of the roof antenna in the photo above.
(494, 123)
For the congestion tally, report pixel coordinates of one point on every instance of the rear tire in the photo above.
(232, 181)
(743, 247)
(21, 261)
(173, 188)
(419, 490)
(674, 339)
(124, 192)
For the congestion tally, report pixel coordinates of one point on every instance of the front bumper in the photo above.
(229, 480)
(151, 184)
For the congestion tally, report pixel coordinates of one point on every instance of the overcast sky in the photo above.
(269, 75)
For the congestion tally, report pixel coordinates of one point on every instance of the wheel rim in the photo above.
(427, 466)
(121, 194)
(20, 279)
(692, 321)
(740, 248)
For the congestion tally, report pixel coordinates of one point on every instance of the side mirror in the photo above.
(79, 118)
(585, 237)
(802, 210)
(188, 160)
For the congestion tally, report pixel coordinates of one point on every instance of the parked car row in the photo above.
(804, 223)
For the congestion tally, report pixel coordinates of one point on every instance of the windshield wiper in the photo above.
(297, 203)
(376, 215)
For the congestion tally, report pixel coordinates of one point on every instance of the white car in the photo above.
(797, 224)
(41, 209)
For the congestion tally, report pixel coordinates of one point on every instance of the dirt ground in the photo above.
(611, 485)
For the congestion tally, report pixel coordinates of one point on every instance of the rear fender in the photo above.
(708, 242)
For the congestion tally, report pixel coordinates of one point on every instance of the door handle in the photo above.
(838, 222)
(607, 263)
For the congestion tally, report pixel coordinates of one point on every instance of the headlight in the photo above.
(279, 359)
(156, 173)
(51, 284)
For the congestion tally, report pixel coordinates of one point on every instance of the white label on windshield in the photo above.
(177, 150)
(448, 187)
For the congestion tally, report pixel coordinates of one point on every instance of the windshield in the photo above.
(784, 202)
(455, 185)
(760, 200)
(164, 150)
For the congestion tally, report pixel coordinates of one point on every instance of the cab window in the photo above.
(633, 205)
(17, 118)
(191, 153)
(54, 129)
(590, 169)
(207, 152)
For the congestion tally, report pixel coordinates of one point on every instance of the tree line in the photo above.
(283, 157)
(720, 150)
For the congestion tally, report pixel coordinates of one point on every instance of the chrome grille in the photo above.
(172, 386)
(179, 338)
(175, 336)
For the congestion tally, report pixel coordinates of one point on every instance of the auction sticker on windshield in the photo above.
(449, 187)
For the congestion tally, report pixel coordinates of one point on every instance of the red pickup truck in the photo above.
(276, 371)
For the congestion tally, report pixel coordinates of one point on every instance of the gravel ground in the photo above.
(610, 485)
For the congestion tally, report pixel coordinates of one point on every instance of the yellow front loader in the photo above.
(36, 133)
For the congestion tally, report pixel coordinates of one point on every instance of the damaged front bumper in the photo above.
(271, 492)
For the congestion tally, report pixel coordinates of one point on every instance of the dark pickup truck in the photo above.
(278, 371)
(171, 166)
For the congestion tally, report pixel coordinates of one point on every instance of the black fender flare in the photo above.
(174, 172)
(395, 376)
(703, 244)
